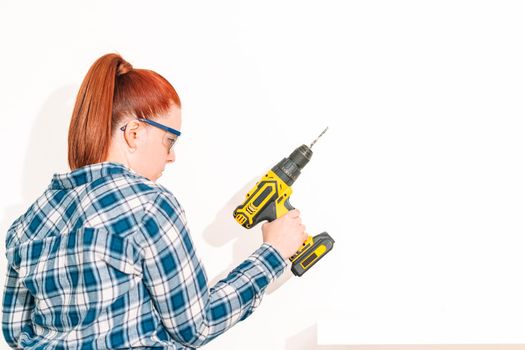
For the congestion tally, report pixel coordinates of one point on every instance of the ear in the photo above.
(134, 133)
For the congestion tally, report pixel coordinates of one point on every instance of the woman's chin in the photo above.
(155, 177)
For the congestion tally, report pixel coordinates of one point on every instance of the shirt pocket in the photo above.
(74, 277)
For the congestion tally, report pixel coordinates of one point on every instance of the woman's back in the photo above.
(77, 251)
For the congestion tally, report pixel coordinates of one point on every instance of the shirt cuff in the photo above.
(269, 260)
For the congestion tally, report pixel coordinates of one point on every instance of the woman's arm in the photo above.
(192, 313)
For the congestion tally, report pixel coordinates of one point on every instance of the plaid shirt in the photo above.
(104, 260)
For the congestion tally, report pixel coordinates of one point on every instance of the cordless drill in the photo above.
(270, 199)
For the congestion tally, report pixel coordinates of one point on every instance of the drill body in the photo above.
(270, 199)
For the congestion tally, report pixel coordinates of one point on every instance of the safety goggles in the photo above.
(168, 140)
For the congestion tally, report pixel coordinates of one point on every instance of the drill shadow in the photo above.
(224, 229)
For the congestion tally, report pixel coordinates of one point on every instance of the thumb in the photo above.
(294, 213)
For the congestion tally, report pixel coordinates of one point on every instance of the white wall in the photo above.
(419, 178)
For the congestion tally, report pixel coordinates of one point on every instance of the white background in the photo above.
(419, 179)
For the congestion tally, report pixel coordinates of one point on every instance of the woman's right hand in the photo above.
(286, 234)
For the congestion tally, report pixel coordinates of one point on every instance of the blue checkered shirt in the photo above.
(104, 260)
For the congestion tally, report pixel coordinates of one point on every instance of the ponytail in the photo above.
(111, 89)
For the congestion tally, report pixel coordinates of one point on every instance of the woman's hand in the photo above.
(286, 234)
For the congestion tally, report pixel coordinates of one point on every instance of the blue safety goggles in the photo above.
(175, 132)
(160, 126)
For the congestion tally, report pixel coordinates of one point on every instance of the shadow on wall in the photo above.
(307, 340)
(47, 150)
(246, 241)
(46, 153)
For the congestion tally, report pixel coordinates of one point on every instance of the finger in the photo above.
(294, 213)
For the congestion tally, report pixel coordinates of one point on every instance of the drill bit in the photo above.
(318, 137)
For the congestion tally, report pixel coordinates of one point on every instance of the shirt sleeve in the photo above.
(16, 308)
(192, 313)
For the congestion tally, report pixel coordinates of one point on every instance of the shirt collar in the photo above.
(87, 174)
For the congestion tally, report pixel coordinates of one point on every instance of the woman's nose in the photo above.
(171, 156)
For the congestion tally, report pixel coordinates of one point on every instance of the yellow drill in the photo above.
(270, 199)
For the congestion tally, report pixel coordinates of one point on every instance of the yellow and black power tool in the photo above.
(270, 199)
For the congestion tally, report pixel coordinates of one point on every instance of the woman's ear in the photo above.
(133, 134)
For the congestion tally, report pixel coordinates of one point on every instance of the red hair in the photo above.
(111, 90)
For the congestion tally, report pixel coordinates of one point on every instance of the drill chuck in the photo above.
(290, 168)
(301, 156)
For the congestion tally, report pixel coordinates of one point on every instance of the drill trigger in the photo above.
(288, 205)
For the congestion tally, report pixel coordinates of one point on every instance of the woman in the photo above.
(104, 259)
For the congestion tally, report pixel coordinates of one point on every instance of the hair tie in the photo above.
(123, 67)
